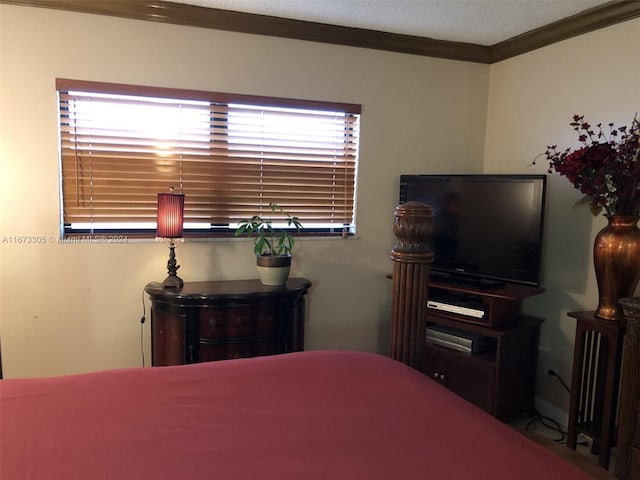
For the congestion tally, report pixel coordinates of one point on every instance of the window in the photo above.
(230, 154)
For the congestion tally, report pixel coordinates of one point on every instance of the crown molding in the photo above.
(196, 16)
(584, 22)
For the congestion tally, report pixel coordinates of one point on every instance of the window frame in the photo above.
(351, 114)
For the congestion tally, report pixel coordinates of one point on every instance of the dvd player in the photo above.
(458, 303)
(453, 308)
(455, 339)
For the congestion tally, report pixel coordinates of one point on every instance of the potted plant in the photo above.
(272, 245)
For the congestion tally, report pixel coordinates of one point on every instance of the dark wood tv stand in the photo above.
(501, 379)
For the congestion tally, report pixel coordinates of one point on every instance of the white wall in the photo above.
(76, 307)
(532, 98)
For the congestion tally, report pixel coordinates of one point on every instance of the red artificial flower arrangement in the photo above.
(606, 169)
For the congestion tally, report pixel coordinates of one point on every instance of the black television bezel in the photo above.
(483, 279)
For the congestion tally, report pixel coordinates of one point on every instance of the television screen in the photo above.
(486, 227)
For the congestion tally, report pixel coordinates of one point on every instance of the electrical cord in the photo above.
(554, 374)
(550, 423)
(142, 320)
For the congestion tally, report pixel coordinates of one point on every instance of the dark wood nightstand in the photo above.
(204, 321)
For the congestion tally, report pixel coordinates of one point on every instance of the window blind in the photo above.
(231, 155)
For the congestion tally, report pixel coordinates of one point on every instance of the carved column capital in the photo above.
(413, 226)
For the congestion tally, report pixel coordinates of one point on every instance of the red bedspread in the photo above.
(308, 415)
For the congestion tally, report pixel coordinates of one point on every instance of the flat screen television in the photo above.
(488, 229)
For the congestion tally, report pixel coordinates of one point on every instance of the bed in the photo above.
(306, 415)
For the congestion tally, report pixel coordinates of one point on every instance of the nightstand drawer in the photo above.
(236, 322)
(213, 322)
(266, 317)
(248, 347)
(241, 322)
(224, 351)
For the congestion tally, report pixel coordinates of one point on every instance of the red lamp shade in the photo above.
(170, 215)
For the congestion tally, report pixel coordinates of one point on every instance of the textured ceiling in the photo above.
(482, 22)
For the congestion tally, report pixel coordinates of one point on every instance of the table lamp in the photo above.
(170, 220)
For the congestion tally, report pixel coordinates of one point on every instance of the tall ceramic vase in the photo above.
(616, 256)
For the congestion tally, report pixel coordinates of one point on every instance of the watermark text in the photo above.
(51, 239)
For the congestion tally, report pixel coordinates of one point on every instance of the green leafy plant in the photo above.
(269, 240)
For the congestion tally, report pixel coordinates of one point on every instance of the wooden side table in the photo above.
(205, 321)
(594, 383)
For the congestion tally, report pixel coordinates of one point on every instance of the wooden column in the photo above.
(412, 257)
(627, 460)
